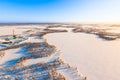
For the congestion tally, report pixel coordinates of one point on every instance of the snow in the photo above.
(69, 73)
(10, 55)
(41, 60)
(9, 30)
(21, 56)
(2, 46)
(96, 58)
(114, 29)
(33, 40)
(62, 28)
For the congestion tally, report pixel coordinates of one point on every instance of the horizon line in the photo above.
(3, 23)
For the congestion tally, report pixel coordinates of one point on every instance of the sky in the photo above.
(76, 11)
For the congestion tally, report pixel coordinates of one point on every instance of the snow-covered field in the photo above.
(96, 58)
(60, 52)
(30, 57)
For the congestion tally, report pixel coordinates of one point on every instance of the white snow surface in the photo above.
(10, 55)
(95, 58)
(62, 28)
(114, 29)
(70, 73)
(41, 60)
(33, 40)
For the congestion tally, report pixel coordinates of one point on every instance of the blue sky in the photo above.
(80, 11)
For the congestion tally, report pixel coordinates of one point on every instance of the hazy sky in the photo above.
(102, 11)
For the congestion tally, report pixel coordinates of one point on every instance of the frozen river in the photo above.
(95, 58)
